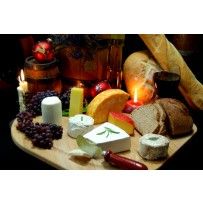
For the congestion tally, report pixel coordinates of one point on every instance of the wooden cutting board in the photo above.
(59, 158)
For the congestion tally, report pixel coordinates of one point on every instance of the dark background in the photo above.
(15, 48)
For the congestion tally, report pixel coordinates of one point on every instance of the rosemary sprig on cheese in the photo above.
(108, 131)
(153, 138)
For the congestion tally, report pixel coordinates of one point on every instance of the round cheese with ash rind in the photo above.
(79, 125)
(153, 146)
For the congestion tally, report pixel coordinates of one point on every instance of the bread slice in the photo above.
(163, 128)
(179, 120)
(150, 118)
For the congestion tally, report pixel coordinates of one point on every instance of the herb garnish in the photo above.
(153, 138)
(108, 131)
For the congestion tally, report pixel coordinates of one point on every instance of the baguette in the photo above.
(166, 116)
(170, 59)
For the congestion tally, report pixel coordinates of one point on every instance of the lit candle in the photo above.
(22, 83)
(136, 103)
(22, 89)
(132, 104)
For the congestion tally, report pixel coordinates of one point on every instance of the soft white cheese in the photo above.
(51, 110)
(153, 146)
(79, 125)
(79, 153)
(109, 137)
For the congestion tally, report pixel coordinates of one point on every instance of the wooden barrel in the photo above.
(88, 63)
(81, 70)
(42, 77)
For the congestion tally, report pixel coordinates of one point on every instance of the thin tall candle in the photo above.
(22, 89)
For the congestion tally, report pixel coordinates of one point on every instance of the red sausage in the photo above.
(123, 162)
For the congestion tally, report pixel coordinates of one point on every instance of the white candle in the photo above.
(21, 99)
(51, 110)
(22, 83)
(22, 89)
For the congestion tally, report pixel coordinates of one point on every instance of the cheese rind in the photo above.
(79, 125)
(110, 137)
(106, 101)
(153, 146)
(123, 121)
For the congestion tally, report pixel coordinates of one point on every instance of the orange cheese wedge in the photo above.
(106, 101)
(123, 121)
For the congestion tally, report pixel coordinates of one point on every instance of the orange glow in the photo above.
(135, 95)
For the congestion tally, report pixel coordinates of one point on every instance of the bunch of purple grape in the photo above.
(41, 135)
(65, 99)
(34, 105)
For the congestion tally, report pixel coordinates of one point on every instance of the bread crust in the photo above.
(179, 120)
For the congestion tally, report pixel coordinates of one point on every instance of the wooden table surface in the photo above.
(59, 158)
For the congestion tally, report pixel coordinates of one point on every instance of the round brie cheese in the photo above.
(153, 146)
(79, 125)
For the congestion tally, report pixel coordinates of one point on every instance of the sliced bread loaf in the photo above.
(150, 118)
(179, 119)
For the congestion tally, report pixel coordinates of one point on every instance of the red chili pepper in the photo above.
(123, 162)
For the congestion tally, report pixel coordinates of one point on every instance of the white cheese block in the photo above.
(110, 137)
(153, 146)
(51, 110)
(79, 125)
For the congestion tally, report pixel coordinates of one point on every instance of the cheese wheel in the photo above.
(153, 146)
(79, 125)
(106, 101)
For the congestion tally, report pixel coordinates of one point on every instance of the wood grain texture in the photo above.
(59, 158)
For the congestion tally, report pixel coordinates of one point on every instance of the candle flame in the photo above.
(135, 95)
(22, 75)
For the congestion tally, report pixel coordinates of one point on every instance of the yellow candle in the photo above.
(76, 101)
